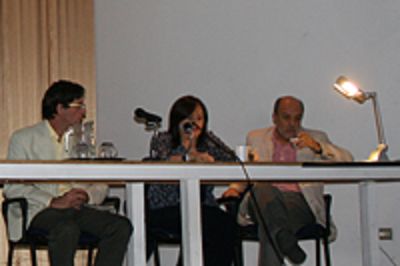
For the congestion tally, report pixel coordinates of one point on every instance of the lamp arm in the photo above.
(378, 118)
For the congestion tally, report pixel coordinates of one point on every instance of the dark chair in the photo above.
(162, 237)
(314, 232)
(37, 239)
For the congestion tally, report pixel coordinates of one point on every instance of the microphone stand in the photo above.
(249, 189)
(186, 156)
(152, 126)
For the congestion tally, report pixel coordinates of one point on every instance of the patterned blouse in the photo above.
(165, 195)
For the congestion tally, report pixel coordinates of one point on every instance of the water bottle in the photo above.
(82, 151)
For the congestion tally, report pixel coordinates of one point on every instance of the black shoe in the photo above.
(290, 248)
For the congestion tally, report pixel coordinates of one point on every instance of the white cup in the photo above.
(242, 152)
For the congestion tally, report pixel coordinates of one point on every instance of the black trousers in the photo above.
(219, 230)
(64, 227)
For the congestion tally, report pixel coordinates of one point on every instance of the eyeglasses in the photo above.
(77, 105)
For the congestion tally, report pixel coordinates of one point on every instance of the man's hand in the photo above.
(74, 198)
(231, 192)
(304, 140)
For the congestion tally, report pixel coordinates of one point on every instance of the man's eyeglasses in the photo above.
(77, 105)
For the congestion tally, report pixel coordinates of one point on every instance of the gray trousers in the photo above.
(64, 227)
(281, 211)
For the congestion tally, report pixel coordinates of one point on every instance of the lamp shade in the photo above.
(350, 90)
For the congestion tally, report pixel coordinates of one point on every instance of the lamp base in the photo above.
(379, 154)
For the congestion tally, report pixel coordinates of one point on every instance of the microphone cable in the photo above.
(249, 188)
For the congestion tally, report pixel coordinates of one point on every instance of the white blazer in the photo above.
(35, 143)
(260, 141)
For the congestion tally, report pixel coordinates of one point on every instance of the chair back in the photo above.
(23, 207)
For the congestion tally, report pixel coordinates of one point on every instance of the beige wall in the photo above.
(41, 41)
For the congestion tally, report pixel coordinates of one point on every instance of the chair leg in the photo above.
(90, 256)
(156, 255)
(10, 254)
(318, 251)
(180, 257)
(238, 256)
(327, 252)
(33, 254)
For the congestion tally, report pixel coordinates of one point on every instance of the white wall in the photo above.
(239, 56)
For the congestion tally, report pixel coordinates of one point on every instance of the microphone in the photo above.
(148, 117)
(188, 127)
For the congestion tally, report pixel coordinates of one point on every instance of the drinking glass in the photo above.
(107, 150)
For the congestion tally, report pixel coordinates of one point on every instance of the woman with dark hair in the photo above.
(187, 139)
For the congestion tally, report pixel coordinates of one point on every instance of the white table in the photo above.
(189, 176)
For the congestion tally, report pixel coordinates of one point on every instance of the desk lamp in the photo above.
(351, 91)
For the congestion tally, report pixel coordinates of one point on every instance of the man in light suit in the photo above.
(63, 209)
(286, 207)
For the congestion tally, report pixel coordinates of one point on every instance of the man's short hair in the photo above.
(279, 100)
(61, 92)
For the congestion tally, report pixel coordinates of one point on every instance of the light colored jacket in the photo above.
(260, 141)
(35, 143)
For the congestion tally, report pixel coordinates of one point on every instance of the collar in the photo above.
(53, 133)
